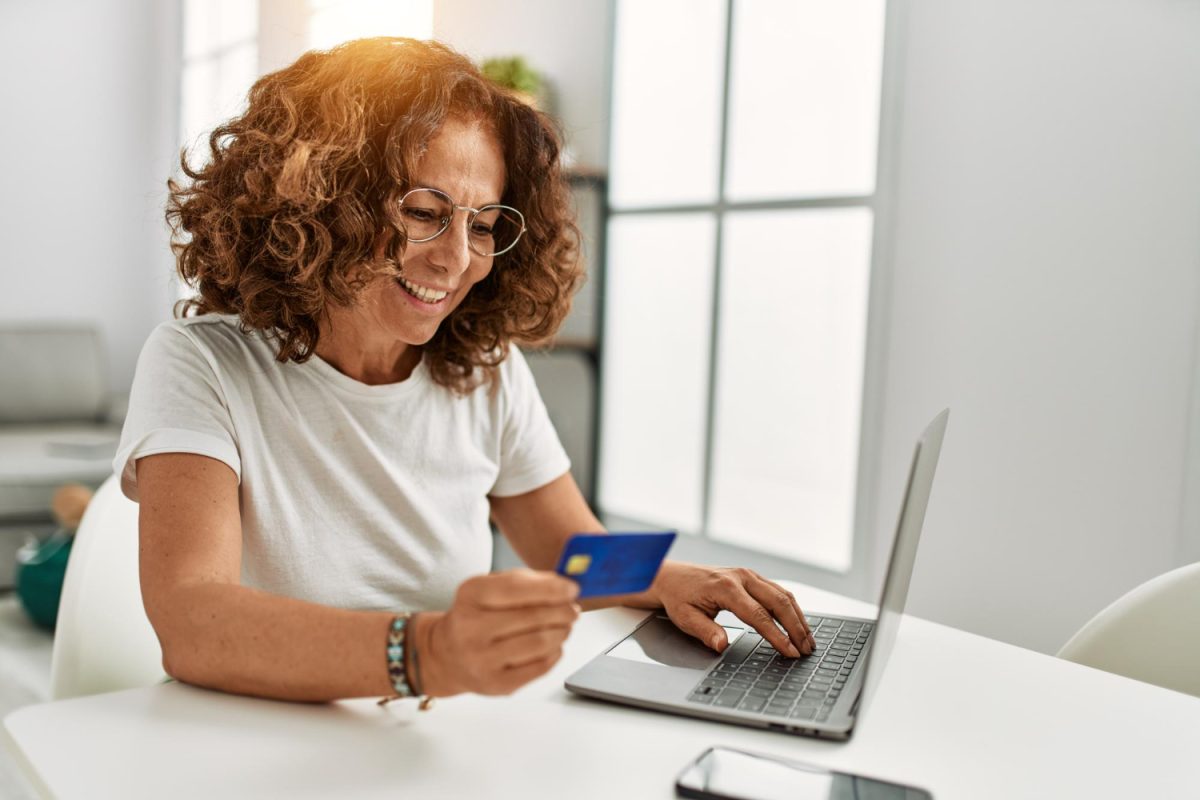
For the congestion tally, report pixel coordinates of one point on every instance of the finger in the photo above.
(519, 588)
(695, 622)
(515, 677)
(779, 602)
(517, 651)
(501, 625)
(803, 618)
(754, 614)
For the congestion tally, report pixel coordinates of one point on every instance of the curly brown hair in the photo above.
(283, 218)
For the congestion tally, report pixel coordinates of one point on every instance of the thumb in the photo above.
(694, 622)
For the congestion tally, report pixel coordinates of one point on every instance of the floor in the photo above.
(24, 679)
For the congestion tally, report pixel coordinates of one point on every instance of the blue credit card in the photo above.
(613, 563)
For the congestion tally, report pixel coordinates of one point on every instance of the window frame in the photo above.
(870, 526)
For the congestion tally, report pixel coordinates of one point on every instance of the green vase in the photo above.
(41, 567)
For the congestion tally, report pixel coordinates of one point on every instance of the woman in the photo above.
(318, 442)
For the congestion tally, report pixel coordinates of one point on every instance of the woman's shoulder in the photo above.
(209, 331)
(211, 337)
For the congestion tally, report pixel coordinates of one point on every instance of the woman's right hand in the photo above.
(504, 630)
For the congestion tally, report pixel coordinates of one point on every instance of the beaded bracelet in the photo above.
(403, 684)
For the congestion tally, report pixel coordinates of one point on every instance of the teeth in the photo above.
(421, 292)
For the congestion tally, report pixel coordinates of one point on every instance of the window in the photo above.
(335, 21)
(743, 203)
(220, 61)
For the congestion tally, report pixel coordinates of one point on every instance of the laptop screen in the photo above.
(904, 553)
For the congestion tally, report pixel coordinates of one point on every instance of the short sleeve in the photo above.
(531, 454)
(176, 405)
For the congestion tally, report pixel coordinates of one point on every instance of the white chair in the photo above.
(1151, 634)
(103, 641)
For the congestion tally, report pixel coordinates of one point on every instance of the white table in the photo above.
(963, 716)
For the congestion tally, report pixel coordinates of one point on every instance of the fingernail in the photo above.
(715, 642)
(792, 651)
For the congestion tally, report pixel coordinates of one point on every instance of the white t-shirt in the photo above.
(353, 496)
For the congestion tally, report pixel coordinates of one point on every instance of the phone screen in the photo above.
(722, 774)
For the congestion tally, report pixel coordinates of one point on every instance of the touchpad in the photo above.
(660, 642)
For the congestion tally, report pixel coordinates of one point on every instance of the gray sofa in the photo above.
(59, 423)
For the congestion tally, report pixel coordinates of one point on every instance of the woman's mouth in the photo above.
(422, 293)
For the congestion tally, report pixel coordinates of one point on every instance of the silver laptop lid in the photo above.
(904, 554)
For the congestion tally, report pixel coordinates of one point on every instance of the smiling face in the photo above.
(465, 161)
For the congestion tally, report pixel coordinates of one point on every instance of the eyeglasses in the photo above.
(491, 230)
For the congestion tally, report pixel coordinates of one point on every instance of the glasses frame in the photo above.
(474, 212)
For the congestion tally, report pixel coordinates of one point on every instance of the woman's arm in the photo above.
(537, 524)
(503, 630)
(215, 632)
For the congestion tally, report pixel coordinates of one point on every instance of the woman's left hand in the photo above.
(692, 595)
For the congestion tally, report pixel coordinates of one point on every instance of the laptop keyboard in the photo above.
(754, 676)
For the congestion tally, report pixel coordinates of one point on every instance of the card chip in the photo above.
(578, 564)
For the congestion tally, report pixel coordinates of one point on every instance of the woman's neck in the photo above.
(359, 351)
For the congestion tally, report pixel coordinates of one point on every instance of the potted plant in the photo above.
(515, 74)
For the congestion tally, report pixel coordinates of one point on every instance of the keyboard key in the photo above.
(752, 704)
(704, 699)
(803, 712)
(760, 691)
(777, 710)
(743, 647)
(729, 697)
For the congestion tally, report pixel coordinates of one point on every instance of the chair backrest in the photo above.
(52, 373)
(103, 641)
(1151, 634)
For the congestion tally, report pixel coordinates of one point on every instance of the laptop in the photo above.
(659, 667)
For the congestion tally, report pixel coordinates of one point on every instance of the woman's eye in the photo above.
(481, 230)
(420, 214)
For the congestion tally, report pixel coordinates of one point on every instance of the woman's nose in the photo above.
(450, 250)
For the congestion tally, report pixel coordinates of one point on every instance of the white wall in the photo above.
(569, 41)
(88, 138)
(1045, 286)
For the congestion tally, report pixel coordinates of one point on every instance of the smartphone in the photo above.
(724, 774)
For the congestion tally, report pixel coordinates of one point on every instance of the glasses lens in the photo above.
(495, 229)
(425, 213)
